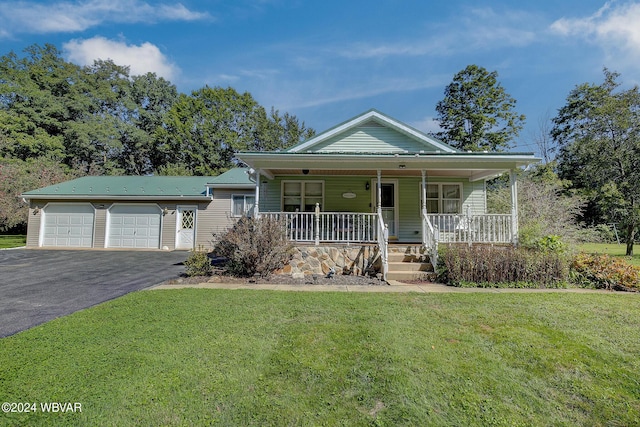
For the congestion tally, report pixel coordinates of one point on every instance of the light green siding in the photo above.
(409, 194)
(371, 138)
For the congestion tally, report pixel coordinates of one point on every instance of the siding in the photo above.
(100, 223)
(409, 194)
(372, 138)
(215, 217)
(33, 225)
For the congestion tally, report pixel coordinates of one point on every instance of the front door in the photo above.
(388, 198)
(186, 227)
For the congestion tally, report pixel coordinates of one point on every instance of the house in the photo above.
(371, 180)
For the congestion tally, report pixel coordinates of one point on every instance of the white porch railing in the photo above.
(339, 227)
(459, 228)
(430, 235)
(352, 227)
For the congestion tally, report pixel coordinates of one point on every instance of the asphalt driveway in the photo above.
(40, 285)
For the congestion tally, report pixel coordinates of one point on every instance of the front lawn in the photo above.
(202, 357)
(612, 249)
(12, 241)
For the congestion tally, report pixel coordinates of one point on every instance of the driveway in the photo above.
(40, 285)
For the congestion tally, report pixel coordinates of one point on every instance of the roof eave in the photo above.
(111, 197)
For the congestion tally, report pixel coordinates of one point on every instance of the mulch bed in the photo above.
(283, 279)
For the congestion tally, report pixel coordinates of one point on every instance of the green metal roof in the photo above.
(232, 178)
(143, 187)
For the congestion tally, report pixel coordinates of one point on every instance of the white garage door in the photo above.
(68, 225)
(134, 226)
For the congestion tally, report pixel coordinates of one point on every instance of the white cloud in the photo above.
(474, 29)
(614, 27)
(72, 16)
(141, 59)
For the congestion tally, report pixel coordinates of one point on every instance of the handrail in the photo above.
(383, 244)
(430, 239)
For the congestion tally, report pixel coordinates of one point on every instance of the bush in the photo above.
(254, 246)
(502, 266)
(605, 272)
(198, 263)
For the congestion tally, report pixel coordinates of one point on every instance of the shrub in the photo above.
(605, 272)
(198, 263)
(551, 243)
(254, 246)
(500, 266)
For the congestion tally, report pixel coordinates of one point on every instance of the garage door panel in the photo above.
(134, 226)
(68, 225)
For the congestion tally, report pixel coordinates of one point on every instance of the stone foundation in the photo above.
(320, 260)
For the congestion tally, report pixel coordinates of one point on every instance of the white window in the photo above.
(302, 196)
(444, 198)
(242, 204)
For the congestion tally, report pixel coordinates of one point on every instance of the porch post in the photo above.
(513, 182)
(423, 197)
(256, 208)
(379, 190)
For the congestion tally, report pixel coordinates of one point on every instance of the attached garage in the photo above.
(134, 226)
(126, 212)
(68, 225)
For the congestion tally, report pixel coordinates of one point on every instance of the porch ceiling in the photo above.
(385, 172)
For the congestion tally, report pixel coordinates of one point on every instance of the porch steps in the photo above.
(409, 263)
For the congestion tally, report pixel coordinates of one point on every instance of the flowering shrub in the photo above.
(605, 272)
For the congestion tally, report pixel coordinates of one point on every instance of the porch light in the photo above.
(367, 186)
(305, 171)
(165, 211)
(402, 166)
(36, 209)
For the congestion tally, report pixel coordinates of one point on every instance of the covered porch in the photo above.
(412, 206)
(374, 179)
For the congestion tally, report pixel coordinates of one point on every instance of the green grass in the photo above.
(12, 241)
(220, 357)
(612, 249)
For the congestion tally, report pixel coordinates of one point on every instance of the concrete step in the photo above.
(403, 257)
(410, 266)
(411, 275)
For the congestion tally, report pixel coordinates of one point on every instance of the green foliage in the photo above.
(477, 113)
(550, 244)
(203, 131)
(100, 120)
(17, 176)
(254, 246)
(598, 132)
(198, 263)
(333, 358)
(605, 272)
(501, 266)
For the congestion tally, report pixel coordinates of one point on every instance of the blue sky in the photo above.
(327, 61)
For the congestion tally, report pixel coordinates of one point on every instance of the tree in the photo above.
(17, 176)
(203, 131)
(476, 113)
(598, 132)
(546, 205)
